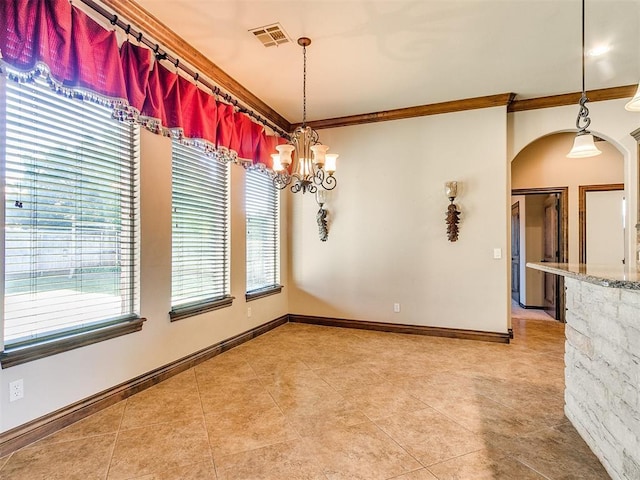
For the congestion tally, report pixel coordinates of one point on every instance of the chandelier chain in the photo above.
(304, 86)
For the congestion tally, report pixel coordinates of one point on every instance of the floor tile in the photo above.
(484, 465)
(290, 461)
(157, 448)
(350, 377)
(429, 436)
(83, 459)
(198, 471)
(225, 368)
(245, 395)
(383, 400)
(101, 423)
(362, 451)
(558, 453)
(247, 430)
(176, 398)
(422, 474)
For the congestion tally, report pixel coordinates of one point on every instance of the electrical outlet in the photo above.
(396, 307)
(16, 390)
(249, 312)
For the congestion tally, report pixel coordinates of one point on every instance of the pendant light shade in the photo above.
(634, 104)
(583, 146)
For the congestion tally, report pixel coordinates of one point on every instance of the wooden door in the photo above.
(515, 251)
(551, 254)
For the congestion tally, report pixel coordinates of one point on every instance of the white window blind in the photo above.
(200, 251)
(262, 208)
(69, 240)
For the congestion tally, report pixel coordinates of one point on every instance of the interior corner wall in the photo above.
(387, 234)
(60, 380)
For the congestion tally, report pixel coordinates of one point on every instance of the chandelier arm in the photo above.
(328, 182)
(281, 180)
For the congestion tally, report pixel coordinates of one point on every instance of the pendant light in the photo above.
(583, 145)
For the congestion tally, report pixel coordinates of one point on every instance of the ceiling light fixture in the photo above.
(311, 166)
(583, 145)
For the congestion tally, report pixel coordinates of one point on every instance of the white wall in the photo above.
(387, 239)
(59, 380)
(610, 121)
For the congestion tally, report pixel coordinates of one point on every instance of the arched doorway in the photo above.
(542, 179)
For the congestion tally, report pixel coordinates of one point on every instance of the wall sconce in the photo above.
(321, 217)
(453, 214)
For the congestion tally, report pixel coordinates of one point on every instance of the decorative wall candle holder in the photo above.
(321, 216)
(453, 214)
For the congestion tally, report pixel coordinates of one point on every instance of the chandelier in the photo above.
(583, 145)
(304, 162)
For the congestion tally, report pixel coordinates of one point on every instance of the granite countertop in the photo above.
(615, 276)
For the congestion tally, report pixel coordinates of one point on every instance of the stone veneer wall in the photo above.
(602, 373)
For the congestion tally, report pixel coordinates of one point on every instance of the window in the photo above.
(69, 220)
(200, 233)
(261, 199)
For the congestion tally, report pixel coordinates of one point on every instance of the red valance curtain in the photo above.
(82, 58)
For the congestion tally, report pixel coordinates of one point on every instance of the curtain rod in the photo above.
(161, 54)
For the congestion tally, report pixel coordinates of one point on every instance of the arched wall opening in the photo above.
(541, 172)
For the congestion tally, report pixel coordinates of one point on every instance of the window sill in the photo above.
(11, 357)
(196, 308)
(263, 292)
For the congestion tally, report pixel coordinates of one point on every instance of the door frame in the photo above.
(563, 234)
(515, 208)
(582, 212)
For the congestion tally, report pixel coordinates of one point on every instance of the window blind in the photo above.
(69, 239)
(262, 206)
(200, 251)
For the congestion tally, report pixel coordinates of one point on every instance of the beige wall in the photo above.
(543, 163)
(56, 381)
(387, 239)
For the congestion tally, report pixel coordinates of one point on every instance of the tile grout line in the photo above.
(115, 441)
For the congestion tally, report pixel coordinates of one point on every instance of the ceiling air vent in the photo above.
(271, 35)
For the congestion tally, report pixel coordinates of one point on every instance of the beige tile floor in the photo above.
(311, 402)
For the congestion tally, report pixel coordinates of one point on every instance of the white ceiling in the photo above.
(374, 55)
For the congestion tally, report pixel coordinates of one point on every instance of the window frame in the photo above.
(52, 342)
(275, 287)
(212, 302)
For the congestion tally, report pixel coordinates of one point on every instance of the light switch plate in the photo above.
(497, 253)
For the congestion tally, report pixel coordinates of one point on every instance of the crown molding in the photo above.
(626, 91)
(499, 100)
